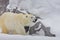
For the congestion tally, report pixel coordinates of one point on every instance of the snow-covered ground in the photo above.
(49, 10)
(53, 20)
(20, 37)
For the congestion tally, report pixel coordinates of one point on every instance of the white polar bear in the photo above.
(15, 22)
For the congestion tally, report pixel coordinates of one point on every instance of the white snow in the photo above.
(49, 10)
(21, 37)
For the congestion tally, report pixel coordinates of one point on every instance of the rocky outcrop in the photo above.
(3, 4)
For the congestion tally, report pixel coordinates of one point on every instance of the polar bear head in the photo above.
(26, 19)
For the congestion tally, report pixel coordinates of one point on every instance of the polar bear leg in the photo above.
(3, 29)
(20, 30)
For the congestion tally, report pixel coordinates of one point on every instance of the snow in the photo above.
(21, 37)
(49, 10)
(54, 22)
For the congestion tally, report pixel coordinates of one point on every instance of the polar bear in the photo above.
(15, 22)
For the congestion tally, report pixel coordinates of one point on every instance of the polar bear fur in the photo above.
(15, 22)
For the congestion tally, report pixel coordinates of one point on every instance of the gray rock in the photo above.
(45, 29)
(3, 5)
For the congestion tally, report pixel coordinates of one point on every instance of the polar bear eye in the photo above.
(26, 16)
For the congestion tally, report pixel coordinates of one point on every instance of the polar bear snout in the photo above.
(35, 20)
